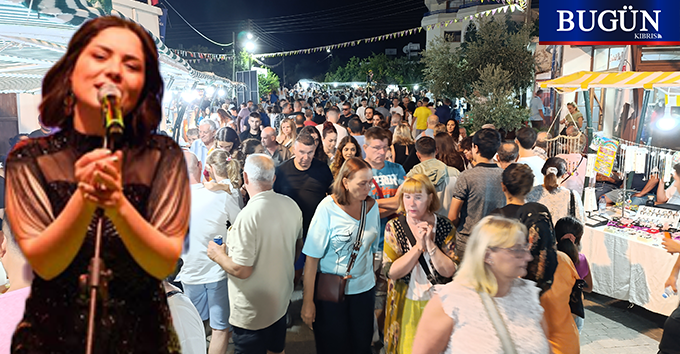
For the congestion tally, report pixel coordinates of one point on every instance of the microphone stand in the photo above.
(99, 276)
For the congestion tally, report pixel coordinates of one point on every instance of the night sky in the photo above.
(298, 24)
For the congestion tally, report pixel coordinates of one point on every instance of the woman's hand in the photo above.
(425, 230)
(671, 245)
(308, 313)
(100, 179)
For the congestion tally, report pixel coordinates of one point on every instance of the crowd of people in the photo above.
(406, 234)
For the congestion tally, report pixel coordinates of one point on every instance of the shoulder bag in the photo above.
(331, 287)
(498, 324)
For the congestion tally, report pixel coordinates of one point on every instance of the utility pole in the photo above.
(284, 69)
(233, 55)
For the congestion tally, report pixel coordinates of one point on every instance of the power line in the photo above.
(192, 27)
(342, 16)
(294, 30)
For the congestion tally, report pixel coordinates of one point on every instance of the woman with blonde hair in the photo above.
(418, 254)
(488, 308)
(574, 116)
(402, 143)
(287, 134)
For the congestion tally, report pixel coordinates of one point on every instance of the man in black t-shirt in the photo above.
(307, 181)
(254, 131)
(346, 114)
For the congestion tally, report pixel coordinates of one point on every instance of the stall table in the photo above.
(629, 268)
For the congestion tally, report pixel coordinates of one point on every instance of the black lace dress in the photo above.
(135, 318)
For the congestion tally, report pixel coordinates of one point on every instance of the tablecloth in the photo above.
(630, 269)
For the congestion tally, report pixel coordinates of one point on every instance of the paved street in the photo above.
(610, 328)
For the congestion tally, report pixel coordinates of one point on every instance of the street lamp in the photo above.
(250, 48)
(249, 35)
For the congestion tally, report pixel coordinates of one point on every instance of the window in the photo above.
(452, 36)
(660, 53)
(606, 58)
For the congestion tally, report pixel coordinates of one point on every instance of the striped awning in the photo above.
(584, 80)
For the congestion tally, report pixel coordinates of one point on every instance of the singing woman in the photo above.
(59, 186)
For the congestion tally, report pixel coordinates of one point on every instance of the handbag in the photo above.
(576, 299)
(498, 324)
(331, 287)
(434, 280)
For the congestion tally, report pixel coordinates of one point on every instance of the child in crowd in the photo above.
(568, 232)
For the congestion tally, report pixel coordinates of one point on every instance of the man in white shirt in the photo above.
(261, 249)
(537, 118)
(204, 281)
(332, 116)
(526, 139)
(361, 111)
(396, 108)
(206, 134)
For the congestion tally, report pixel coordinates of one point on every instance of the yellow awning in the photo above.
(584, 80)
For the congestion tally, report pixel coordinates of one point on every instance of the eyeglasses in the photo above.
(517, 251)
(345, 109)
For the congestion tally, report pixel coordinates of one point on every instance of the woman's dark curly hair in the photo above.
(145, 116)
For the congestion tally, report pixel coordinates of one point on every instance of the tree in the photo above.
(268, 83)
(386, 70)
(497, 44)
(494, 102)
(443, 69)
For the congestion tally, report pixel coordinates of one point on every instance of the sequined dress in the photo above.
(135, 318)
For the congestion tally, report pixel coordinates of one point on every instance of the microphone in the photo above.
(112, 116)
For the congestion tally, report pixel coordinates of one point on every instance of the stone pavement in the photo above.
(611, 327)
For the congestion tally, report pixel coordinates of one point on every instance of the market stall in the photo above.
(624, 249)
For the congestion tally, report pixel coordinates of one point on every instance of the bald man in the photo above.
(272, 148)
(432, 122)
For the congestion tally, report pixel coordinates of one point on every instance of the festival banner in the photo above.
(610, 22)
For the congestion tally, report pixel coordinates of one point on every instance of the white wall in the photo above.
(145, 15)
(27, 110)
(574, 59)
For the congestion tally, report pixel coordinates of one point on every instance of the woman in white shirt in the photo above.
(456, 319)
(556, 198)
(670, 195)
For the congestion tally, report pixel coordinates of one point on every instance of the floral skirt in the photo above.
(401, 318)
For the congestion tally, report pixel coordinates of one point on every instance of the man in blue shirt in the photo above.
(387, 179)
(444, 111)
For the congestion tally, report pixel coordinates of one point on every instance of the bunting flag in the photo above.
(511, 5)
(205, 56)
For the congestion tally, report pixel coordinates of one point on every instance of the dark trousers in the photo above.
(345, 327)
(670, 340)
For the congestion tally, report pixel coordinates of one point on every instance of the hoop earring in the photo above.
(69, 102)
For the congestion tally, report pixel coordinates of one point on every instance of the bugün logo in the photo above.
(626, 20)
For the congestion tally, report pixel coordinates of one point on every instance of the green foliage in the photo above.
(452, 73)
(444, 69)
(386, 70)
(496, 44)
(268, 83)
(493, 101)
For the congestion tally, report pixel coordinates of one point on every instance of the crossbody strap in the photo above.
(498, 324)
(357, 244)
(423, 263)
(378, 191)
